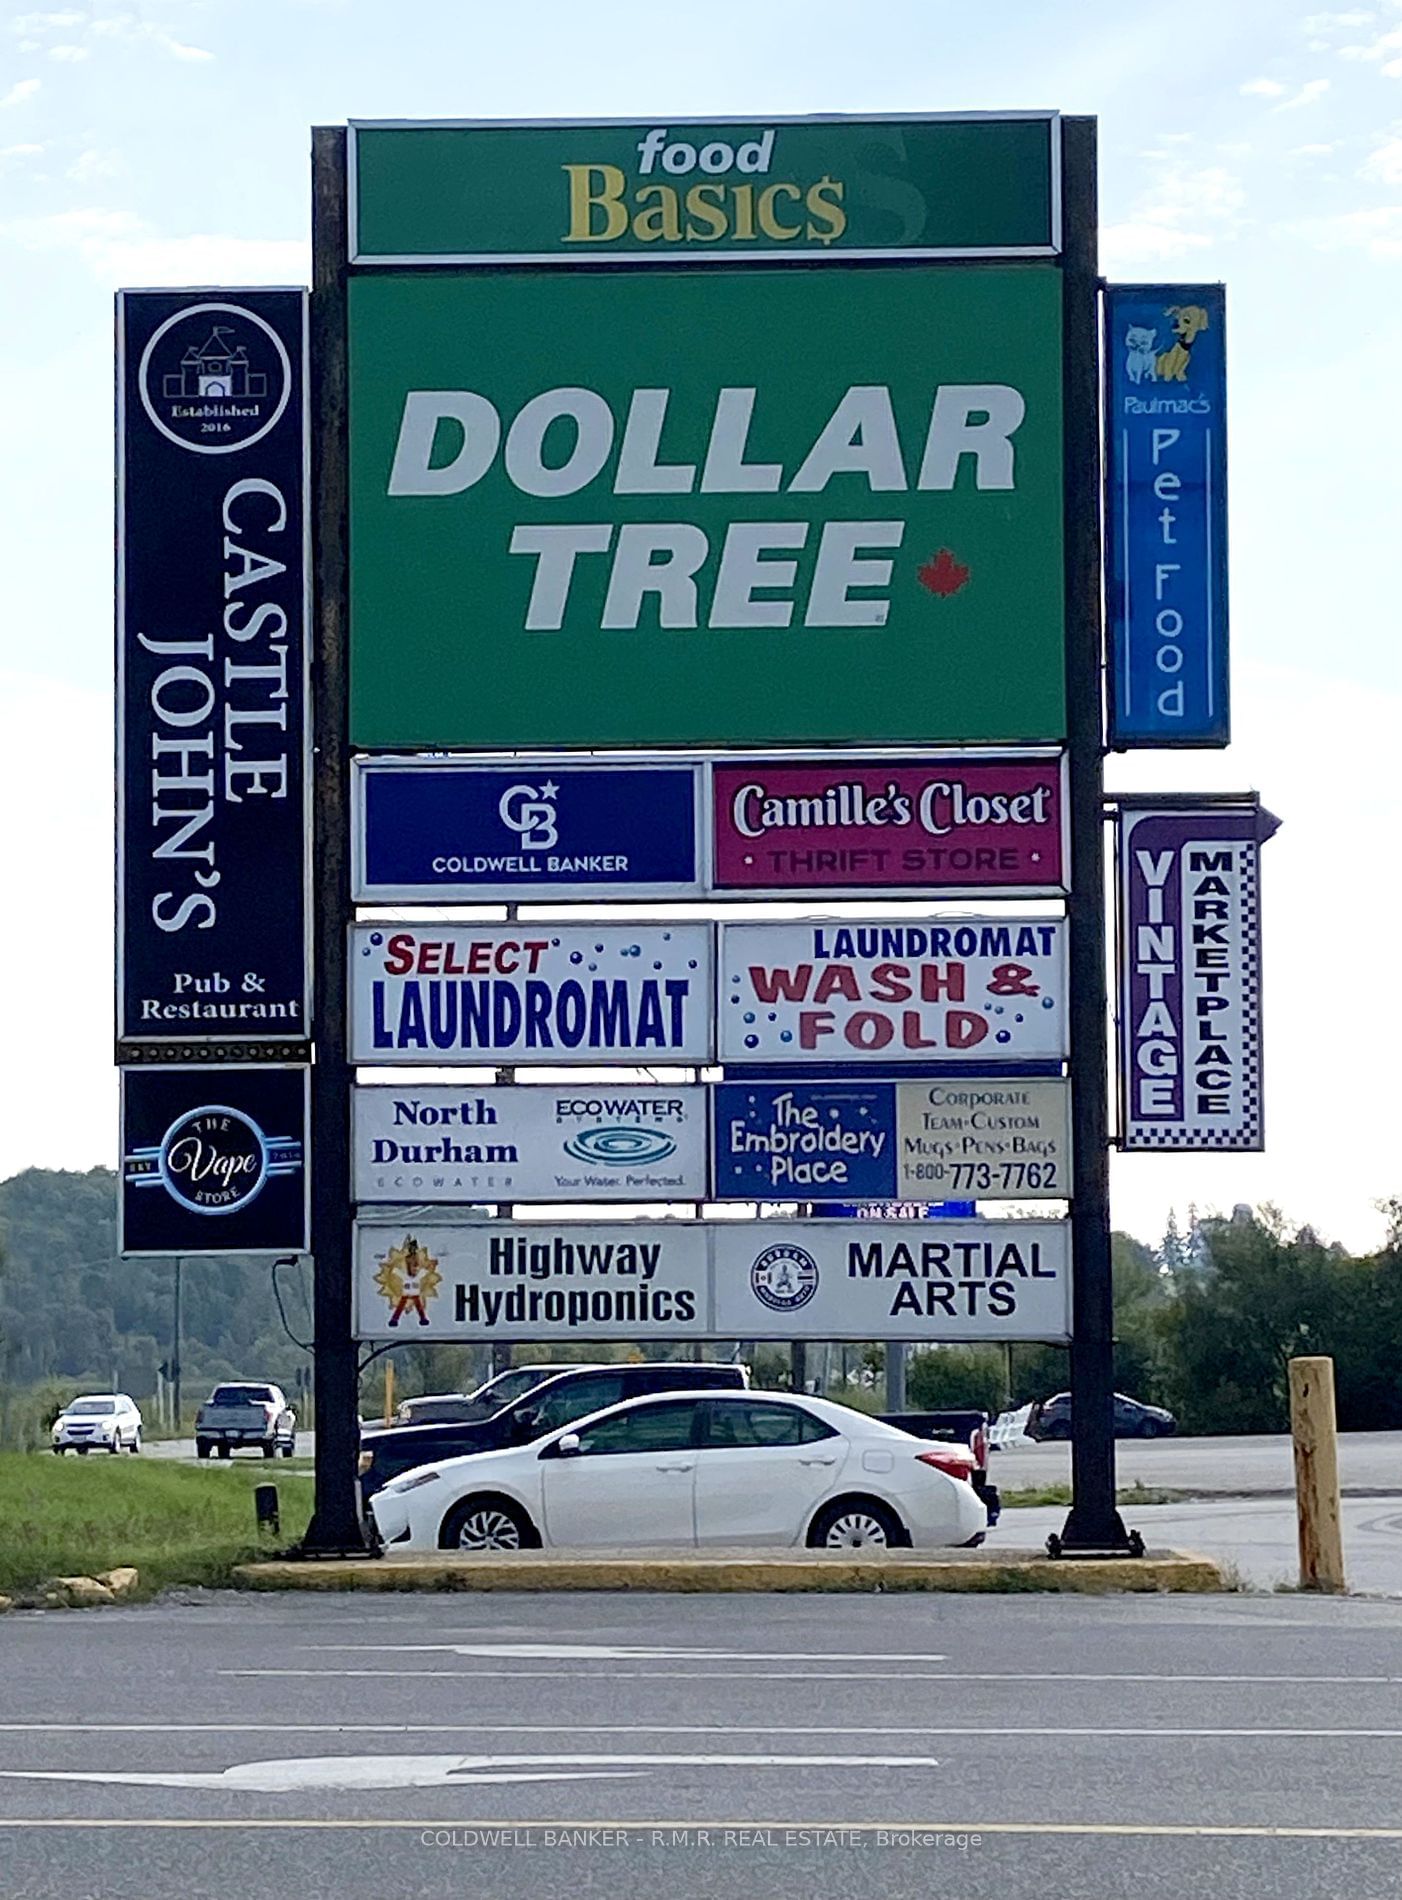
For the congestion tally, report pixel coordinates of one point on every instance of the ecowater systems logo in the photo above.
(214, 1160)
(621, 1147)
(215, 378)
(784, 1277)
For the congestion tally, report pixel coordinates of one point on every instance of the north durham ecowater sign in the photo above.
(728, 507)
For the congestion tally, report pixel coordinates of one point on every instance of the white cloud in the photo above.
(46, 22)
(1311, 151)
(8, 152)
(1385, 163)
(1311, 90)
(1183, 213)
(21, 90)
(120, 248)
(1376, 231)
(1335, 22)
(92, 165)
(1263, 89)
(69, 54)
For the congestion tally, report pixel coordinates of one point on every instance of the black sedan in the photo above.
(1133, 1419)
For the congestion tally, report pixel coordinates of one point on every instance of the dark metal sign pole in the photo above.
(1093, 1523)
(336, 1522)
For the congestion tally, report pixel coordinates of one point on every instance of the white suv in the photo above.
(100, 1421)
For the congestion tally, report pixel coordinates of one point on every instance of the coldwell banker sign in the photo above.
(591, 1143)
(212, 922)
(214, 1160)
(712, 508)
(1190, 976)
(530, 993)
(440, 829)
(967, 989)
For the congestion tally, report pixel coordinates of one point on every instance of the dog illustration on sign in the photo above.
(1143, 362)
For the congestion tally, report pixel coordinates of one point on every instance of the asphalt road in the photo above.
(994, 1748)
(1369, 1462)
(1256, 1537)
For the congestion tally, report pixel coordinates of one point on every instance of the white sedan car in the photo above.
(99, 1421)
(712, 1468)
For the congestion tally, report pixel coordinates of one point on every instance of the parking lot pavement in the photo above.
(573, 1745)
(1368, 1462)
(1255, 1537)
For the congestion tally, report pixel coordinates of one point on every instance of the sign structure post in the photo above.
(336, 1522)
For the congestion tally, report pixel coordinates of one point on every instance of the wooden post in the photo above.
(389, 1391)
(1316, 1474)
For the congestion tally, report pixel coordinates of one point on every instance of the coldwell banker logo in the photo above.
(215, 378)
(214, 1160)
(784, 1278)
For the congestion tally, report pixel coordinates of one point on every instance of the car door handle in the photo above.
(689, 1466)
(817, 1461)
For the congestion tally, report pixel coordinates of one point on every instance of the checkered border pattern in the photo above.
(1248, 1132)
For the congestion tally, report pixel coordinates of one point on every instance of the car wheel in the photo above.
(116, 1446)
(81, 1450)
(59, 1450)
(856, 1523)
(201, 1448)
(290, 1451)
(224, 1450)
(485, 1523)
(135, 1445)
(270, 1450)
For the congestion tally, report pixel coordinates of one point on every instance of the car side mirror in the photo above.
(567, 1445)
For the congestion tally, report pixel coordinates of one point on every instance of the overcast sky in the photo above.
(166, 142)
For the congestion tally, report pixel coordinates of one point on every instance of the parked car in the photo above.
(556, 1402)
(964, 1432)
(454, 1408)
(1133, 1419)
(692, 1468)
(98, 1421)
(247, 1415)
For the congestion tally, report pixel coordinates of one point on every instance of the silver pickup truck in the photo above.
(250, 1414)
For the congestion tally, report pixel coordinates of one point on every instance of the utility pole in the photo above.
(895, 1375)
(175, 1349)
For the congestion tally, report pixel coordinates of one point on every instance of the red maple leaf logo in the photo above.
(943, 575)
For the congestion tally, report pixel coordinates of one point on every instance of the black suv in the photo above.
(557, 1401)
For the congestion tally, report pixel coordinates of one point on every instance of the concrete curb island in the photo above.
(1009, 1572)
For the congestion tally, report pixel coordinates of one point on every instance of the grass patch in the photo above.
(1132, 1494)
(175, 1523)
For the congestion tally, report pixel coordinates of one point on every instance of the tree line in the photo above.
(1205, 1321)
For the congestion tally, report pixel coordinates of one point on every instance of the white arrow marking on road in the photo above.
(361, 1772)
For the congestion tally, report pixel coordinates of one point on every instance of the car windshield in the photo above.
(241, 1395)
(509, 1387)
(91, 1408)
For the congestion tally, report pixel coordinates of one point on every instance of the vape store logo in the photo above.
(215, 378)
(529, 811)
(214, 1160)
(784, 1278)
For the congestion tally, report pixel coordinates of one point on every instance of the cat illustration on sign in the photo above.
(1139, 352)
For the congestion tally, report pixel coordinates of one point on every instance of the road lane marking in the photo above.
(476, 1825)
(787, 1675)
(603, 1652)
(688, 1728)
(297, 1774)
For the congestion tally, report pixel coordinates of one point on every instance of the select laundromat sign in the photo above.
(596, 1142)
(709, 508)
(761, 1279)
(938, 186)
(530, 993)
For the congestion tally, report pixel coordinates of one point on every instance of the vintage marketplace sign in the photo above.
(214, 1160)
(595, 1142)
(892, 1141)
(212, 832)
(967, 989)
(900, 186)
(1190, 976)
(1166, 514)
(443, 1278)
(530, 993)
(832, 512)
(442, 830)
(463, 1279)
(952, 824)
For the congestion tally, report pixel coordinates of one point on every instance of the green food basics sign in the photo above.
(974, 186)
(706, 507)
